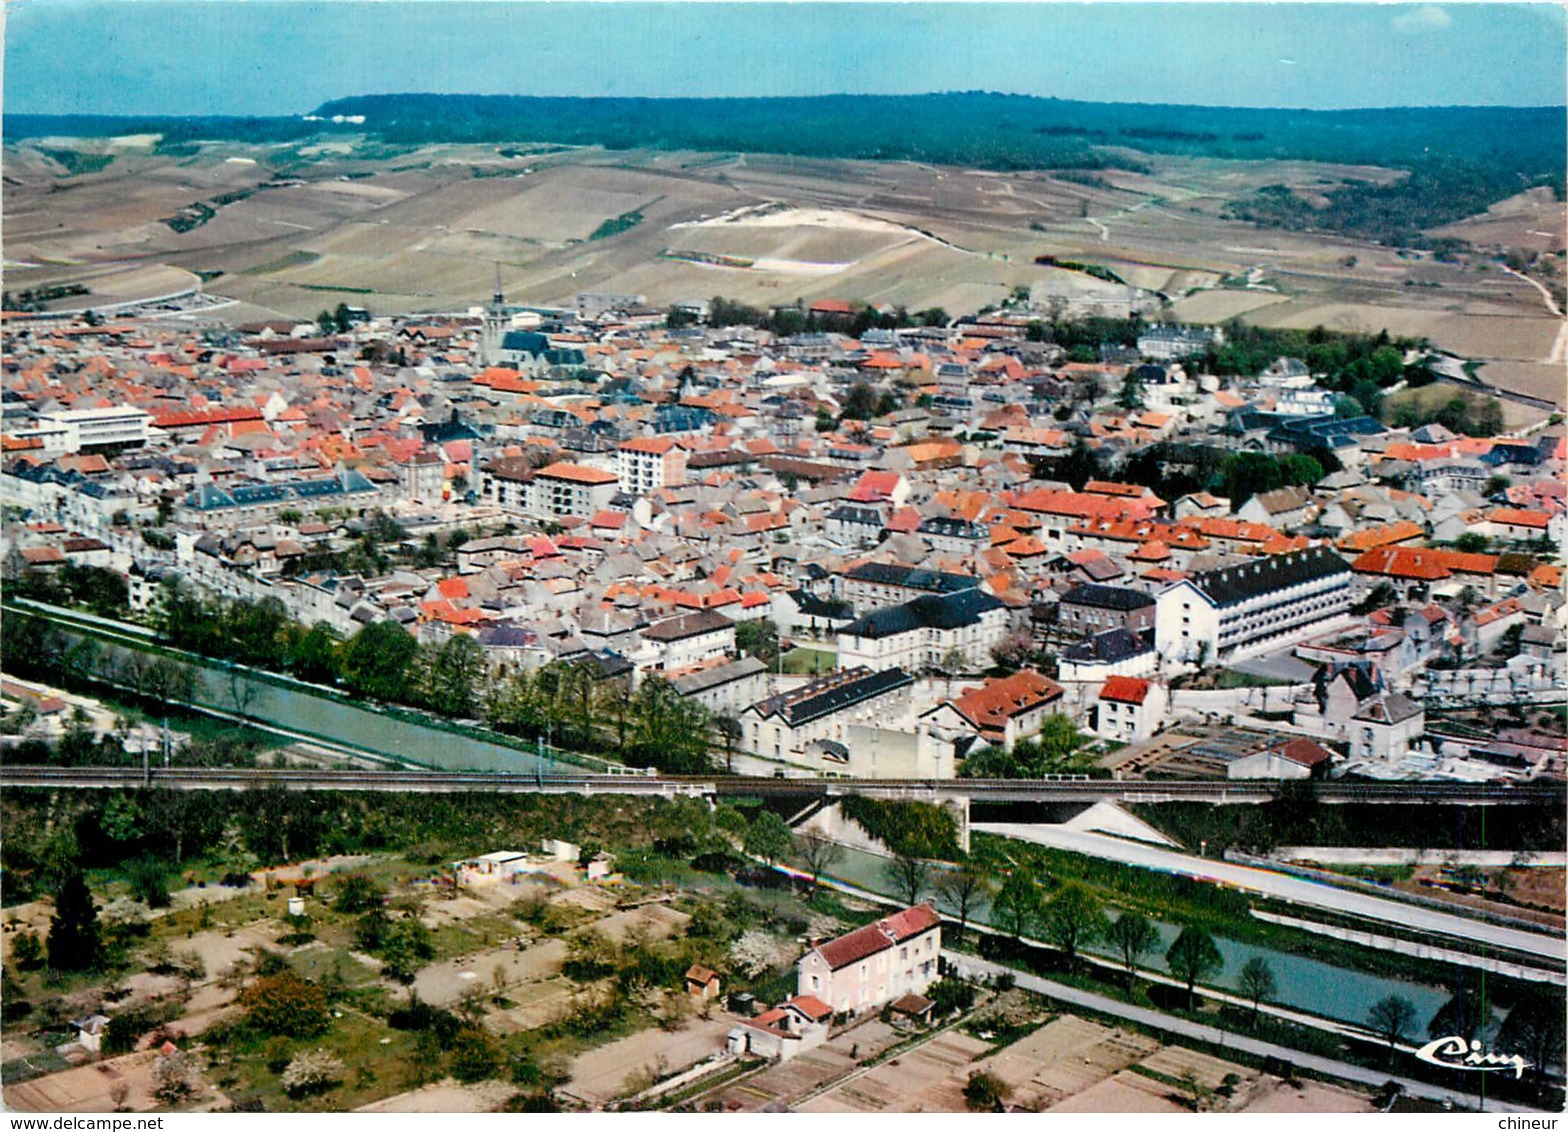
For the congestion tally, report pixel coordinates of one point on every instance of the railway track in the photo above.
(972, 790)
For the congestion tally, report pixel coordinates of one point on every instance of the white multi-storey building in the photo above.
(810, 725)
(71, 430)
(548, 493)
(1222, 615)
(649, 463)
(930, 632)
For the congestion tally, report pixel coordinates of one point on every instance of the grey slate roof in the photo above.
(912, 577)
(832, 693)
(1106, 597)
(931, 611)
(1236, 584)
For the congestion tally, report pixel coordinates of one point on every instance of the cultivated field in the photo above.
(425, 229)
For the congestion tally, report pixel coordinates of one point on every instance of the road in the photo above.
(1282, 887)
(969, 966)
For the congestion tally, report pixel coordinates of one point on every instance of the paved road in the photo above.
(970, 966)
(1283, 887)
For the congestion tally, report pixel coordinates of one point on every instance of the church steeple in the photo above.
(495, 321)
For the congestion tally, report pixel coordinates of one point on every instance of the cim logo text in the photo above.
(1453, 1052)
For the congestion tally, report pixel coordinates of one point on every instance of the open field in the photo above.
(423, 229)
(1532, 221)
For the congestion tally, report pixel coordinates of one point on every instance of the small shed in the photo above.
(601, 867)
(89, 1031)
(702, 982)
(912, 1008)
(558, 850)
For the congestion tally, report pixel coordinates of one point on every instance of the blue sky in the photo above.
(288, 56)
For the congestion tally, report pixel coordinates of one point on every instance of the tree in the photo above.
(1466, 1014)
(768, 836)
(1472, 542)
(1131, 395)
(961, 889)
(28, 951)
(1534, 1029)
(378, 660)
(74, 936)
(909, 876)
(818, 852)
(357, 893)
(287, 1005)
(314, 1071)
(1391, 1018)
(861, 402)
(669, 730)
(1245, 474)
(729, 731)
(407, 948)
(457, 677)
(174, 1077)
(1019, 903)
(1192, 957)
(317, 654)
(476, 1056)
(985, 1092)
(1133, 936)
(759, 639)
(1073, 916)
(1297, 470)
(1257, 982)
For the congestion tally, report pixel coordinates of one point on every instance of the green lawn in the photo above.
(809, 661)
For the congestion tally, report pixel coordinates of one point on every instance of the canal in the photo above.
(1304, 984)
(427, 744)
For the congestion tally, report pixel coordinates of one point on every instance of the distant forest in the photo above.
(1461, 159)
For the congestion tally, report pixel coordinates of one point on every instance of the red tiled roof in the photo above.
(577, 473)
(872, 938)
(1304, 752)
(1519, 517)
(1125, 689)
(990, 707)
(811, 1006)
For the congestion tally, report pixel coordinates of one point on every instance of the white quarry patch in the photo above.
(773, 216)
(797, 266)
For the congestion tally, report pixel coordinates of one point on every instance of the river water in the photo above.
(234, 690)
(1304, 984)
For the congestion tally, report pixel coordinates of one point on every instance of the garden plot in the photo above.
(654, 921)
(1125, 1092)
(446, 1096)
(785, 1083)
(534, 1004)
(930, 1078)
(1273, 1095)
(96, 1088)
(601, 1075)
(442, 983)
(1064, 1058)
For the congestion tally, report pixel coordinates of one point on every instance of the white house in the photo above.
(874, 965)
(1000, 712)
(1129, 708)
(928, 632)
(685, 640)
(793, 1026)
(810, 725)
(1294, 758)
